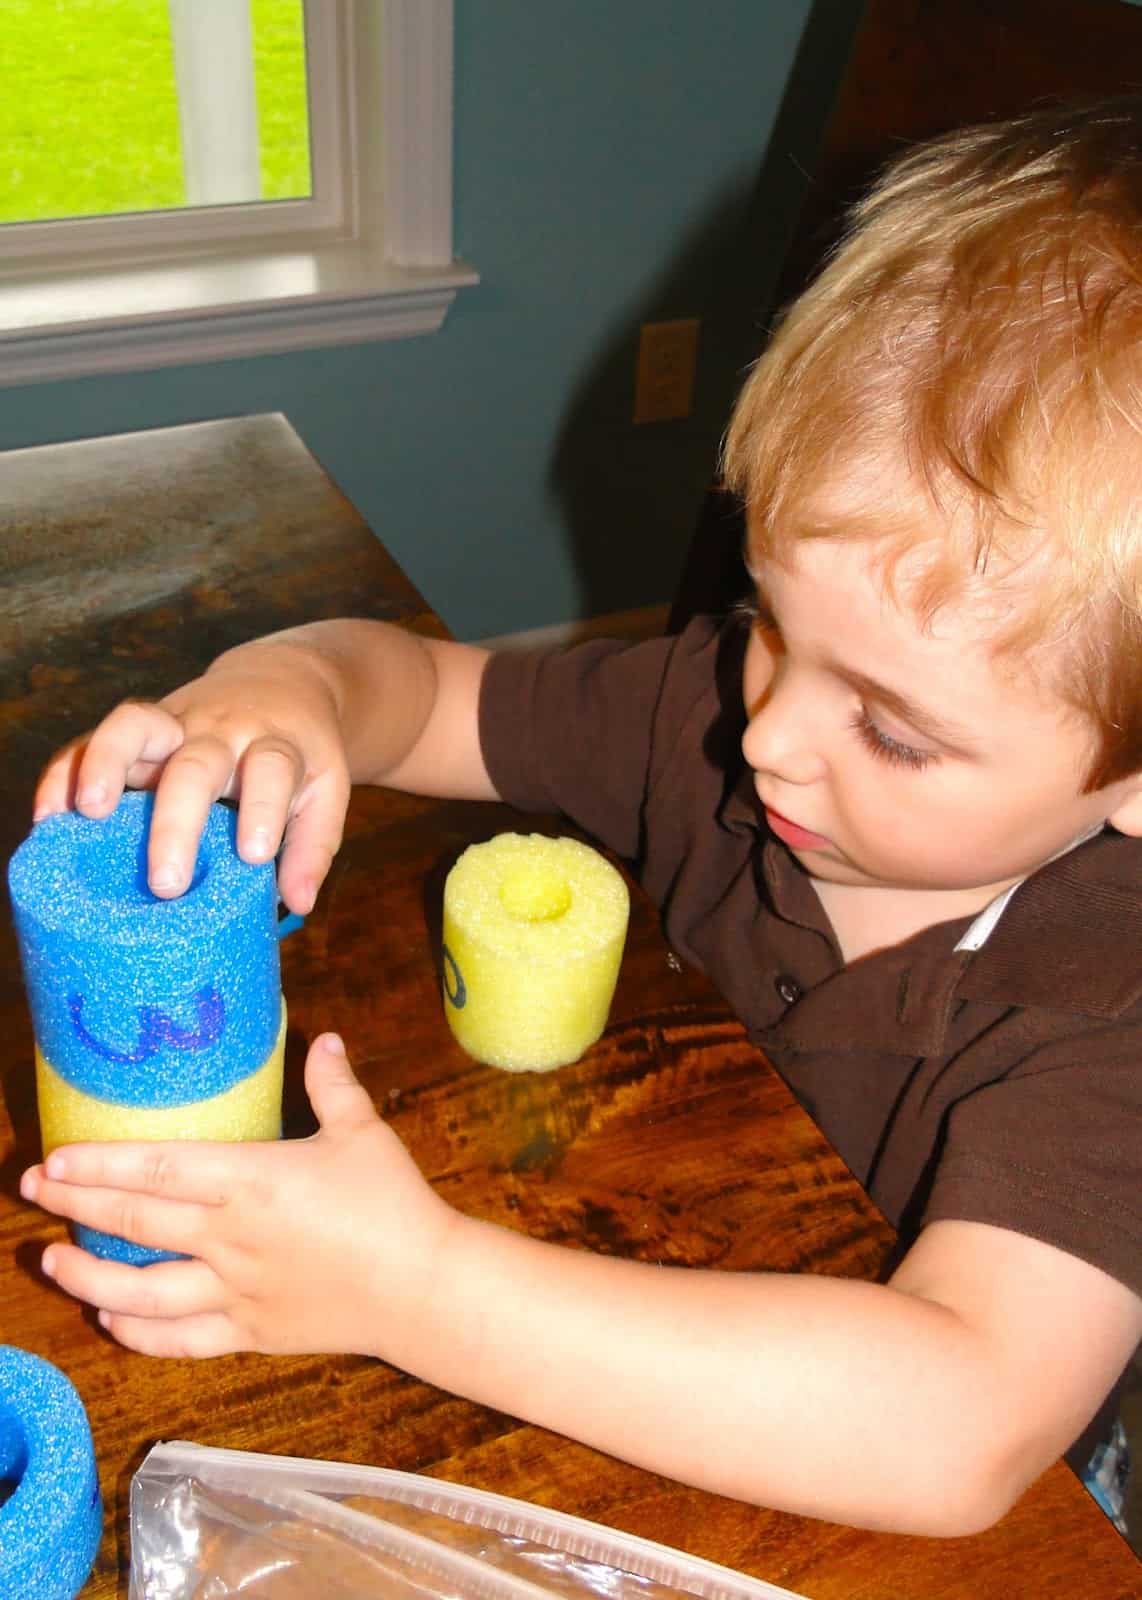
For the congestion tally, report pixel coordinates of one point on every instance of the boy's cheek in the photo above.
(757, 672)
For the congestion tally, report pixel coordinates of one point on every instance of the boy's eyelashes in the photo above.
(886, 748)
(881, 744)
(758, 614)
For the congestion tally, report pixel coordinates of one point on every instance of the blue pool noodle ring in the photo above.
(51, 1525)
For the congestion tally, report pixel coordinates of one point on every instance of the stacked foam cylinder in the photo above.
(153, 1019)
(533, 938)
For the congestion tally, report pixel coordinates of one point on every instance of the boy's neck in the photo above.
(866, 919)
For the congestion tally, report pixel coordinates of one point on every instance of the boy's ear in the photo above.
(1127, 815)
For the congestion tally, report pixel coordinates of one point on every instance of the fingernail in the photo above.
(40, 812)
(55, 1166)
(48, 1264)
(168, 876)
(306, 896)
(104, 1319)
(334, 1043)
(93, 793)
(258, 846)
(29, 1186)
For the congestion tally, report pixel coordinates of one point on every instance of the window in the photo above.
(136, 110)
(222, 248)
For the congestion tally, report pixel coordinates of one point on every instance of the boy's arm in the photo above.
(926, 1405)
(407, 706)
(285, 725)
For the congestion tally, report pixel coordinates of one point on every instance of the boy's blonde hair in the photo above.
(976, 342)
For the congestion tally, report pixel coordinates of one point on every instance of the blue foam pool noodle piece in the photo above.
(135, 999)
(51, 1524)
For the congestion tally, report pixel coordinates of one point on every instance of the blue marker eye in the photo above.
(455, 988)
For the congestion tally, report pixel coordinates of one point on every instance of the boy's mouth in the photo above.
(792, 833)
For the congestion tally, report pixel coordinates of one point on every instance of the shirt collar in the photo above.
(1070, 936)
(981, 929)
(1055, 940)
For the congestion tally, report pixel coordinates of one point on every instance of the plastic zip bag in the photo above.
(209, 1524)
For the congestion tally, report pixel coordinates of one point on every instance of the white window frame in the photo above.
(369, 258)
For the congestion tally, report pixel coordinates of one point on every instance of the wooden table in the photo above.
(127, 564)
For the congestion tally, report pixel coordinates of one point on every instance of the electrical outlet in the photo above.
(667, 360)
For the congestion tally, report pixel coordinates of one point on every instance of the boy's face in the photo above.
(893, 757)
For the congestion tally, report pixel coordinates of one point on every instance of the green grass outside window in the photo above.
(89, 117)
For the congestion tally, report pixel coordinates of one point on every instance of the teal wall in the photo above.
(607, 157)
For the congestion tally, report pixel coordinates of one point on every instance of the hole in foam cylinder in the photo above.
(13, 1456)
(535, 894)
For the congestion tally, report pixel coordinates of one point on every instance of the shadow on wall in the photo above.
(631, 494)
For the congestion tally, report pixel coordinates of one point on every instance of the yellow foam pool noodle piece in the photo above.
(533, 936)
(252, 1109)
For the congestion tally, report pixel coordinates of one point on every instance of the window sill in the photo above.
(215, 309)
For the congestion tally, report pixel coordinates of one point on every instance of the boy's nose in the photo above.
(778, 739)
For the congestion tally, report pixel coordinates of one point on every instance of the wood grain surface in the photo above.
(128, 563)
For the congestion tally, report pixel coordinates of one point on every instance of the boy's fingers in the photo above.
(141, 1218)
(197, 773)
(210, 1334)
(55, 790)
(164, 1289)
(136, 734)
(188, 1171)
(90, 772)
(272, 772)
(126, 750)
(333, 1088)
(312, 839)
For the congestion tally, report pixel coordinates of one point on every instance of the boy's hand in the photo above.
(331, 1243)
(260, 725)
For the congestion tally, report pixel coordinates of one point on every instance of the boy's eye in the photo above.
(886, 748)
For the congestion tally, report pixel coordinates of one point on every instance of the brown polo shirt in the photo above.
(1002, 1085)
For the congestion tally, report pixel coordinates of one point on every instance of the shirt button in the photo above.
(788, 988)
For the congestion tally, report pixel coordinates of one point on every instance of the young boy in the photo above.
(895, 815)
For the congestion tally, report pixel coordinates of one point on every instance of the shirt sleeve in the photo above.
(574, 731)
(1053, 1149)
